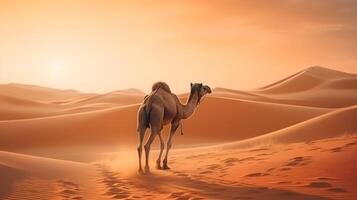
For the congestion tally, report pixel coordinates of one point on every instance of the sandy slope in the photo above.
(26, 101)
(232, 120)
(283, 141)
(110, 119)
(37, 93)
(116, 98)
(314, 86)
(325, 168)
(18, 108)
(322, 169)
(30, 177)
(312, 77)
(332, 124)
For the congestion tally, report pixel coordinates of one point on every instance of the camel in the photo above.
(160, 108)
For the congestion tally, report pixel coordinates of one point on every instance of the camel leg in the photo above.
(140, 149)
(147, 147)
(173, 129)
(162, 146)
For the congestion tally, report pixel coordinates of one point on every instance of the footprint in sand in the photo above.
(315, 148)
(69, 190)
(319, 184)
(299, 161)
(206, 172)
(336, 190)
(264, 154)
(247, 159)
(180, 196)
(341, 148)
(116, 186)
(180, 174)
(256, 174)
(230, 161)
(350, 144)
(336, 149)
(259, 149)
(270, 170)
(233, 161)
(285, 169)
(283, 182)
(325, 178)
(203, 155)
(213, 167)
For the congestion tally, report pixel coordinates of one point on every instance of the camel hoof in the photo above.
(166, 167)
(140, 171)
(147, 169)
(158, 166)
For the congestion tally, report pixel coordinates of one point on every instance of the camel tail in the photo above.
(143, 118)
(147, 115)
(144, 114)
(145, 109)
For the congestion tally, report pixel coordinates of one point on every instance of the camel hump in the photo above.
(161, 85)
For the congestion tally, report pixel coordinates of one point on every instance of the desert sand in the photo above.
(293, 139)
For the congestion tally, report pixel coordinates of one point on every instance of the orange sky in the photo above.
(104, 45)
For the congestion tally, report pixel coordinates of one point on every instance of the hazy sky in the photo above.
(104, 45)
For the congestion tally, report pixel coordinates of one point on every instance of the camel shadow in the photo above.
(193, 188)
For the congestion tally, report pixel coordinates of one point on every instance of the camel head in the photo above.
(200, 89)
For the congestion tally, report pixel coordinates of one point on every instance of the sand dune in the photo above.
(124, 97)
(96, 127)
(52, 95)
(322, 169)
(232, 120)
(332, 89)
(283, 141)
(309, 78)
(30, 177)
(27, 102)
(336, 123)
(37, 93)
(79, 119)
(12, 107)
(32, 165)
(236, 94)
(295, 171)
(315, 86)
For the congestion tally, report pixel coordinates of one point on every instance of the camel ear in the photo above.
(191, 84)
(201, 85)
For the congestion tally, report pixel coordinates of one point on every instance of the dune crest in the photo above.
(332, 124)
(81, 119)
(287, 140)
(306, 79)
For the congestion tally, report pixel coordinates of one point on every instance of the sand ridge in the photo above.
(293, 139)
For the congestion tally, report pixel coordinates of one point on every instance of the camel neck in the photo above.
(190, 106)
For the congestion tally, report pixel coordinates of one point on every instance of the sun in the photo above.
(57, 69)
